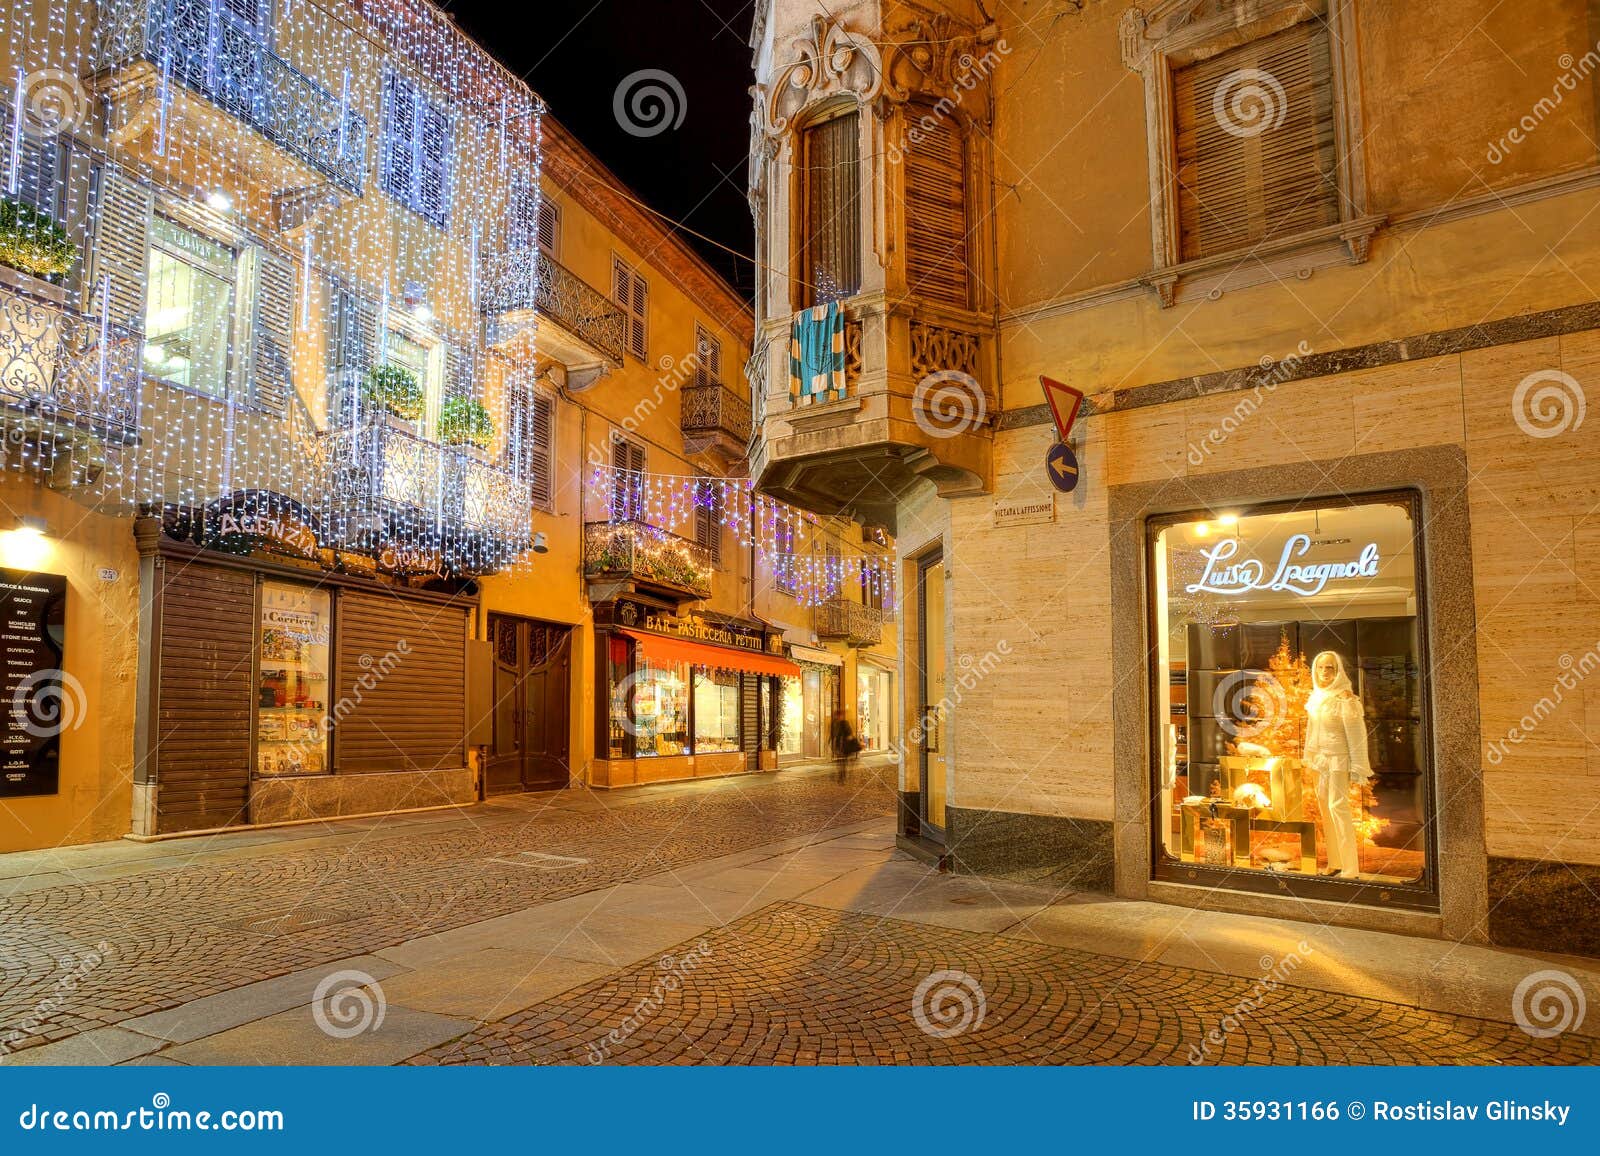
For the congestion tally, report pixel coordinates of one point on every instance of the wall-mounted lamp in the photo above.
(416, 299)
(26, 547)
(541, 543)
(219, 200)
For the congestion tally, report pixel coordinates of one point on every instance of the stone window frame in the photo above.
(1169, 36)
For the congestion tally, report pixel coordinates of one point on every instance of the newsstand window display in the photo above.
(1289, 727)
(291, 704)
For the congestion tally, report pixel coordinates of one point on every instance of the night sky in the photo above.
(576, 54)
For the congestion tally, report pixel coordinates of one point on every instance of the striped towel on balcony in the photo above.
(816, 354)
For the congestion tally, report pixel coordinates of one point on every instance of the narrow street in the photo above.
(755, 920)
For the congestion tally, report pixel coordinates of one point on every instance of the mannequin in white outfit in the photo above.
(1336, 748)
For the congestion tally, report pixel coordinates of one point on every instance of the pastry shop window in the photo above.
(653, 703)
(292, 689)
(716, 711)
(1289, 729)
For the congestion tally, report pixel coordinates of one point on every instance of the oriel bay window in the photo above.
(1289, 694)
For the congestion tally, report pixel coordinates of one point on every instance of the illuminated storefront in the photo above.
(1288, 690)
(685, 697)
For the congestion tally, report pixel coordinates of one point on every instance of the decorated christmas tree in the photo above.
(1274, 708)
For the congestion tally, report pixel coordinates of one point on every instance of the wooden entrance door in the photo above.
(532, 705)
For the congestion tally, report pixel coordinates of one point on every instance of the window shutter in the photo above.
(627, 494)
(353, 345)
(34, 166)
(543, 429)
(117, 279)
(549, 227)
(1275, 178)
(638, 333)
(831, 225)
(936, 210)
(399, 132)
(459, 371)
(433, 175)
(708, 519)
(707, 359)
(273, 335)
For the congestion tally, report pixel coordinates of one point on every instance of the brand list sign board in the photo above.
(39, 699)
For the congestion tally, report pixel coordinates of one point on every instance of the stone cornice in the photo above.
(594, 188)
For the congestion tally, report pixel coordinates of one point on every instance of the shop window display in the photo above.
(791, 732)
(660, 694)
(1288, 692)
(716, 712)
(291, 709)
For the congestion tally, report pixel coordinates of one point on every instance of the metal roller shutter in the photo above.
(200, 755)
(750, 719)
(400, 696)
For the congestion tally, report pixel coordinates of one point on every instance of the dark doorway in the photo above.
(532, 705)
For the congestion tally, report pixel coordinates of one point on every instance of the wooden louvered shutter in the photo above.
(549, 227)
(627, 494)
(399, 134)
(121, 249)
(1254, 139)
(459, 373)
(199, 748)
(352, 347)
(936, 211)
(639, 306)
(409, 707)
(708, 519)
(831, 229)
(433, 168)
(272, 353)
(542, 429)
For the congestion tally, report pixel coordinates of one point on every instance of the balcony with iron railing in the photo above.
(629, 554)
(142, 47)
(715, 420)
(578, 325)
(852, 623)
(69, 383)
(387, 483)
(913, 398)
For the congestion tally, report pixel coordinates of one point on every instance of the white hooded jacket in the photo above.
(1336, 729)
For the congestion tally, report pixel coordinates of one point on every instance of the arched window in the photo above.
(829, 220)
(936, 207)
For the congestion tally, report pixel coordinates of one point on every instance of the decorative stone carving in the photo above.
(829, 60)
(933, 56)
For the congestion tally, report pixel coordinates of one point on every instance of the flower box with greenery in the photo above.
(33, 242)
(396, 389)
(464, 421)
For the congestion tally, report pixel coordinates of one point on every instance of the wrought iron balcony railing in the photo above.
(853, 623)
(393, 484)
(203, 45)
(712, 411)
(636, 551)
(532, 280)
(64, 373)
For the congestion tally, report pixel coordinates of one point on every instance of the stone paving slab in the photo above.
(796, 984)
(93, 1049)
(490, 984)
(295, 1038)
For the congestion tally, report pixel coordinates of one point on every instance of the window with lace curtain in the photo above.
(828, 227)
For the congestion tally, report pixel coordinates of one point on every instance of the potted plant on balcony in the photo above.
(396, 390)
(464, 421)
(34, 242)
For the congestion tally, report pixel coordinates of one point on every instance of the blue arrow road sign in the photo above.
(1062, 466)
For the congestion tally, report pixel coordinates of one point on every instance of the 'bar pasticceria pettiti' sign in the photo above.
(702, 631)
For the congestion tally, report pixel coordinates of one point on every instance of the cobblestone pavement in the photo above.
(797, 984)
(177, 930)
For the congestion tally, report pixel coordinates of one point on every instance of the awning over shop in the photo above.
(662, 649)
(813, 654)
